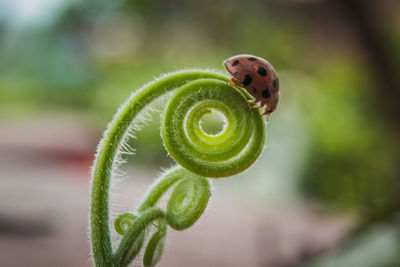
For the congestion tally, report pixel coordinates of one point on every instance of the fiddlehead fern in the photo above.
(201, 155)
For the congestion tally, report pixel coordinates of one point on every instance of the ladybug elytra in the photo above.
(258, 77)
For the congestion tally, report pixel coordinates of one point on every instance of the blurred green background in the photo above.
(333, 145)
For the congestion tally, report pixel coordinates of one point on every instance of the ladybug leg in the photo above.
(255, 107)
(251, 101)
(267, 112)
(271, 106)
(234, 82)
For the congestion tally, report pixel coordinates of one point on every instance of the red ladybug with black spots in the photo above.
(258, 77)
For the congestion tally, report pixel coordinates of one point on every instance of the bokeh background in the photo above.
(326, 191)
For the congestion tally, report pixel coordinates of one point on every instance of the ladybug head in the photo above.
(232, 63)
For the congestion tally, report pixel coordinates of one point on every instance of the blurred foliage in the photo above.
(377, 247)
(351, 163)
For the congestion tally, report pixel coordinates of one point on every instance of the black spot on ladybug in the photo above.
(262, 71)
(235, 63)
(266, 93)
(252, 58)
(235, 73)
(247, 80)
(254, 90)
(275, 83)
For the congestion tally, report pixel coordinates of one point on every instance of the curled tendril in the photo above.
(123, 222)
(188, 201)
(228, 153)
(128, 248)
(155, 247)
(201, 155)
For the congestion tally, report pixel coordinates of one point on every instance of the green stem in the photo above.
(160, 187)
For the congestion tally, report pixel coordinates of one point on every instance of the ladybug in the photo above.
(258, 77)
